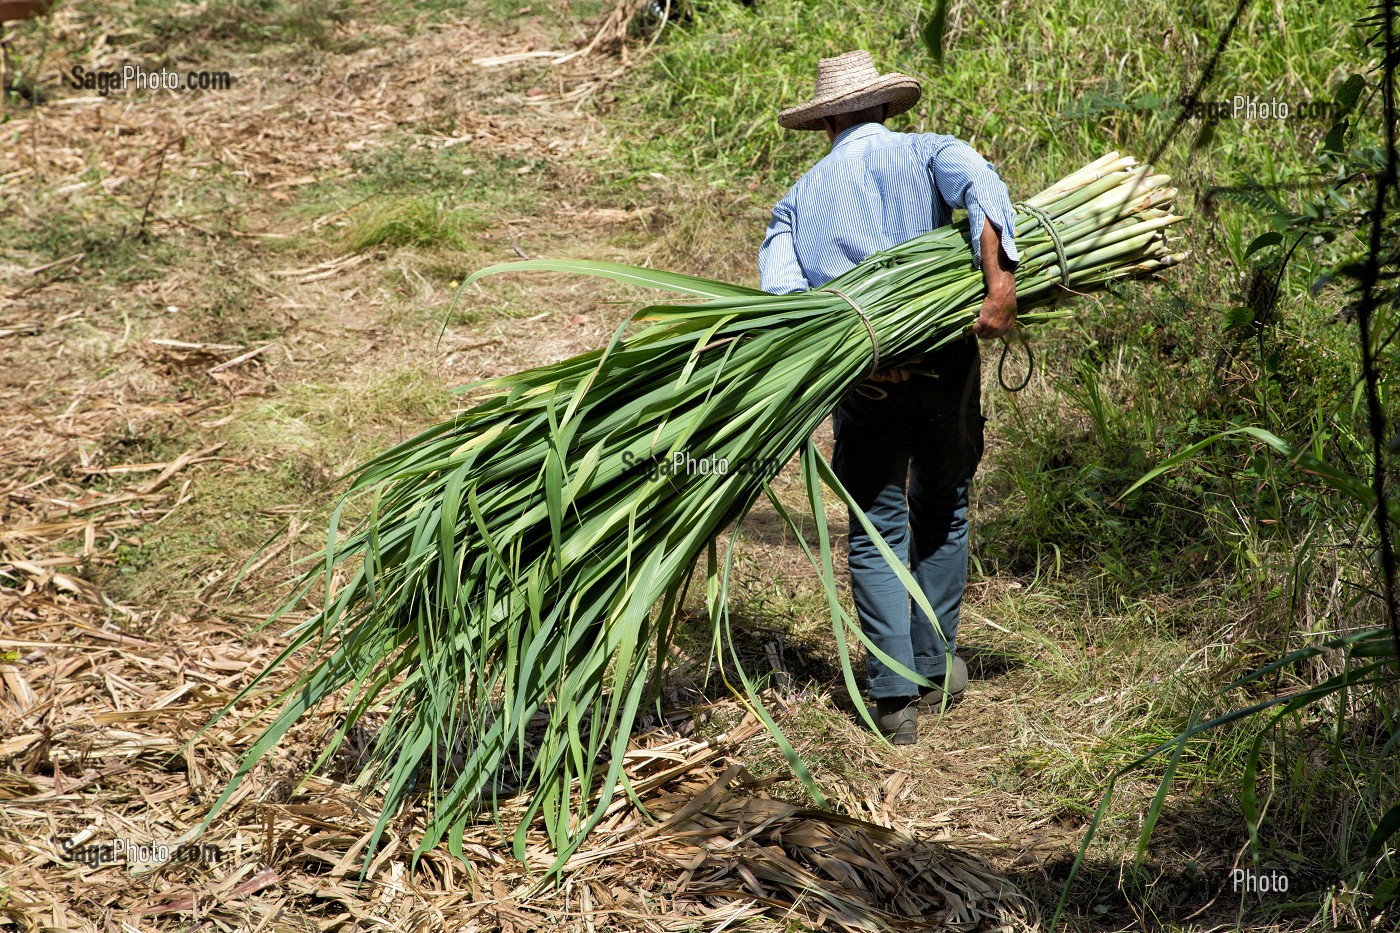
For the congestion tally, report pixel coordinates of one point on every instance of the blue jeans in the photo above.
(926, 434)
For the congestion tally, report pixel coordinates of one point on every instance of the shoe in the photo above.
(931, 700)
(898, 719)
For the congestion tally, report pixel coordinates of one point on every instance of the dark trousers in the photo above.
(907, 460)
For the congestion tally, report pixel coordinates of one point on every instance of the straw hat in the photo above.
(850, 82)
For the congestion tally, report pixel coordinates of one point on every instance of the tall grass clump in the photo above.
(410, 221)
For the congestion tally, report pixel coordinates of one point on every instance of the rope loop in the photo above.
(870, 328)
(1001, 365)
(1048, 225)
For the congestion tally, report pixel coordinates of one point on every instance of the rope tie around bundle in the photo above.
(865, 388)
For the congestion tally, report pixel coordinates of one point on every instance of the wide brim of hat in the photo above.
(899, 92)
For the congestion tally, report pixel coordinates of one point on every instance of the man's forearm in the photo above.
(998, 271)
(998, 313)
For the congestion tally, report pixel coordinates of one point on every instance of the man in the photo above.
(873, 190)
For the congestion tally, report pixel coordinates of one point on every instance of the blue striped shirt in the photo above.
(874, 190)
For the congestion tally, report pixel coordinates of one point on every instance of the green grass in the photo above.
(706, 104)
(340, 423)
(319, 25)
(454, 189)
(413, 221)
(109, 240)
(573, 20)
(298, 444)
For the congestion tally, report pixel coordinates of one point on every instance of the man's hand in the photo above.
(894, 375)
(998, 314)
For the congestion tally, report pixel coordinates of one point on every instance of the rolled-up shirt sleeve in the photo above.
(779, 272)
(968, 181)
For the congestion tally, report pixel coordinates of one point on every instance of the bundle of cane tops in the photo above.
(521, 568)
